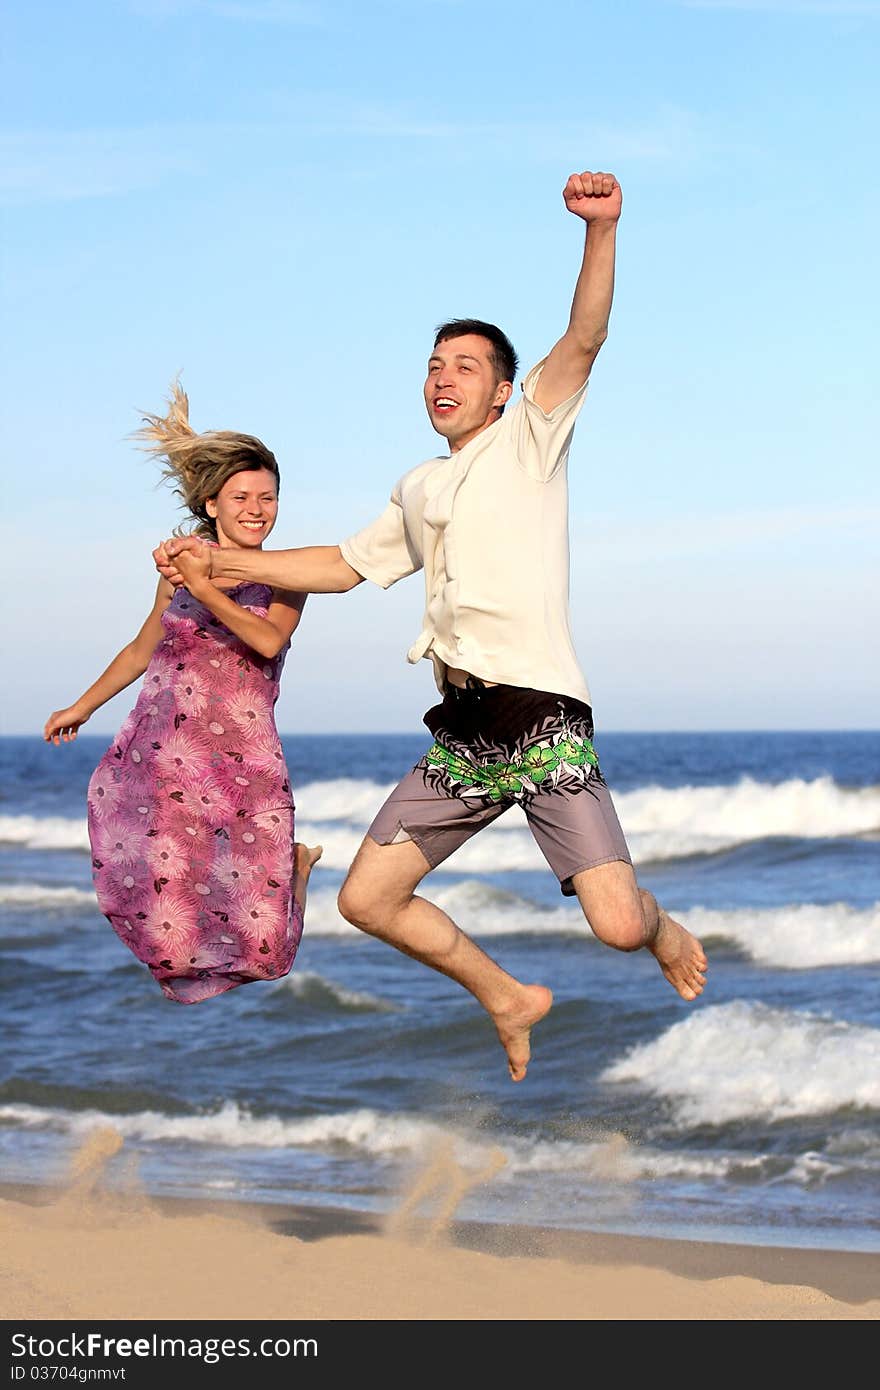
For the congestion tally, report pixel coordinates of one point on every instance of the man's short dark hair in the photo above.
(503, 355)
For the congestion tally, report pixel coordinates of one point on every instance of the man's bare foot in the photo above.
(515, 1024)
(680, 956)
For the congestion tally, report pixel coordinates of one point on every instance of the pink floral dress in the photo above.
(191, 813)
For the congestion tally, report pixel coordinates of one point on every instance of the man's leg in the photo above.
(628, 917)
(379, 897)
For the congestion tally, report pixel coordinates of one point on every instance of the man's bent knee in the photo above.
(369, 906)
(614, 905)
(380, 884)
(624, 930)
(358, 905)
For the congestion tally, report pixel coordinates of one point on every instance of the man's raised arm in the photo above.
(313, 569)
(596, 198)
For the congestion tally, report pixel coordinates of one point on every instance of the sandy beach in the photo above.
(85, 1251)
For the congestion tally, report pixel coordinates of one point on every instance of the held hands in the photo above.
(64, 724)
(183, 560)
(594, 197)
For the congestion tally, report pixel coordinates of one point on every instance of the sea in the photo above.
(364, 1081)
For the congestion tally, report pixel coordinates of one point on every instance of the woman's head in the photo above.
(245, 509)
(228, 482)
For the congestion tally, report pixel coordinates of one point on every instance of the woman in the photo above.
(191, 814)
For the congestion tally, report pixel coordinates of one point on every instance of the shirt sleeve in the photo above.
(542, 439)
(382, 551)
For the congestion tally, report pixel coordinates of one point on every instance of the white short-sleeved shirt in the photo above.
(489, 526)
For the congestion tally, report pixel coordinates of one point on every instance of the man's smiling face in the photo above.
(462, 390)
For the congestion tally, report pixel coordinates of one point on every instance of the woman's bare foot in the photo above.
(680, 956)
(515, 1024)
(305, 857)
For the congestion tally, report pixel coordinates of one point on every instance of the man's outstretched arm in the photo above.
(313, 569)
(596, 198)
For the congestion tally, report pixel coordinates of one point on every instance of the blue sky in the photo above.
(280, 200)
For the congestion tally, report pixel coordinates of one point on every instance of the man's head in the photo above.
(470, 378)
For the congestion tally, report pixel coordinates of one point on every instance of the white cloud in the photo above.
(293, 12)
(669, 134)
(836, 8)
(727, 532)
(61, 165)
(66, 165)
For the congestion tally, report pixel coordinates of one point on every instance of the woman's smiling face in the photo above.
(245, 508)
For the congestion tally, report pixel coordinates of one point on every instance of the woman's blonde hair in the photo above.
(200, 464)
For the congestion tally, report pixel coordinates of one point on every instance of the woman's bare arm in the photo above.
(266, 635)
(125, 667)
(314, 569)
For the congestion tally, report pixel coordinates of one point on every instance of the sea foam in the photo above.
(660, 823)
(803, 936)
(745, 1061)
(796, 937)
(308, 987)
(399, 1138)
(44, 832)
(751, 810)
(41, 897)
(800, 936)
(744, 809)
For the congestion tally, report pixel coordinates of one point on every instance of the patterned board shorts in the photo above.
(499, 746)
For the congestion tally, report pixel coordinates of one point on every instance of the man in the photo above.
(489, 525)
